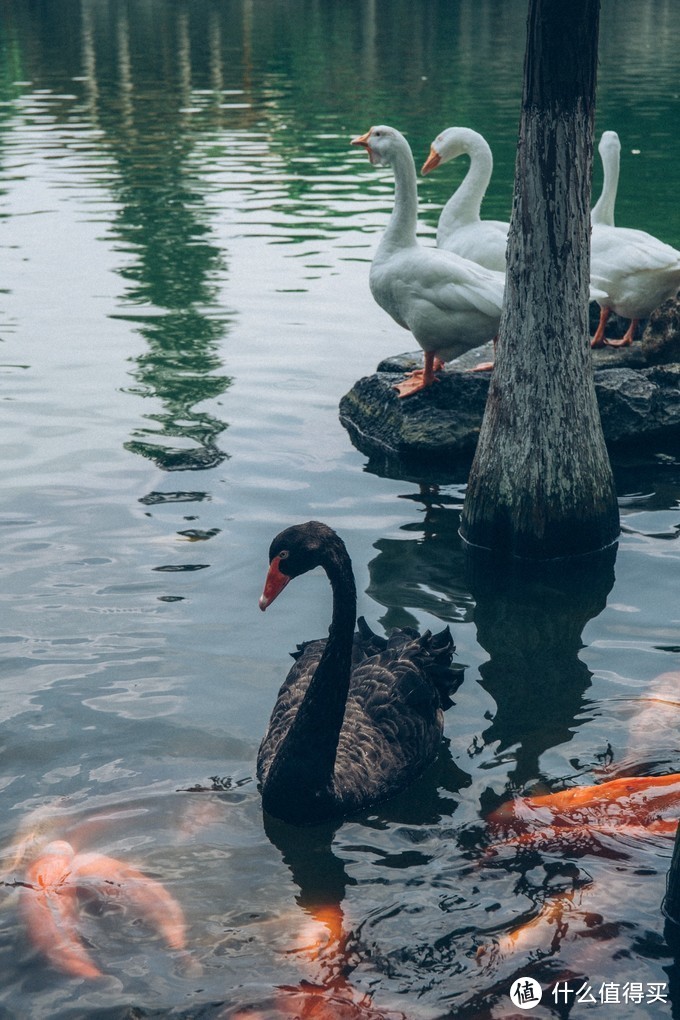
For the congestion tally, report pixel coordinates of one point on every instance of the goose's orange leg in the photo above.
(486, 366)
(627, 338)
(598, 339)
(421, 378)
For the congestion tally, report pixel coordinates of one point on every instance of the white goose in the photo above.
(636, 271)
(449, 303)
(610, 154)
(460, 228)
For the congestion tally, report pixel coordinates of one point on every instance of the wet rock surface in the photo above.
(638, 392)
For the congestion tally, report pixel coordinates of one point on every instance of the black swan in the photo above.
(359, 717)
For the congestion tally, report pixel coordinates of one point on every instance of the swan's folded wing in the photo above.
(392, 730)
(366, 642)
(399, 694)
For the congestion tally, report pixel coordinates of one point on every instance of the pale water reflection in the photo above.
(186, 235)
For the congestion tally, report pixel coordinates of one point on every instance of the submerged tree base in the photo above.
(541, 482)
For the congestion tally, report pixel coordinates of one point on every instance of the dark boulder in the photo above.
(638, 391)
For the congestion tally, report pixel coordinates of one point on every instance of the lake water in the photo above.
(186, 236)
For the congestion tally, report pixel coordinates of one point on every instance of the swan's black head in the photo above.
(295, 551)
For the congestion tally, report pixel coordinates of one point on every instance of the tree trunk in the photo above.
(671, 902)
(541, 484)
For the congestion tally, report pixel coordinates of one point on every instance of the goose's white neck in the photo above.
(401, 228)
(603, 210)
(466, 202)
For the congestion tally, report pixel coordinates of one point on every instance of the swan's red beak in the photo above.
(274, 584)
(432, 161)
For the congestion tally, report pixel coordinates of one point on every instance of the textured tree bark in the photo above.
(541, 484)
(671, 902)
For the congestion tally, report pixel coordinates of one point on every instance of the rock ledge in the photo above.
(638, 391)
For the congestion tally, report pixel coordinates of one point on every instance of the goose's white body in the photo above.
(449, 303)
(450, 308)
(461, 229)
(635, 270)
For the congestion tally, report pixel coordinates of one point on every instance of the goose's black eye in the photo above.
(283, 554)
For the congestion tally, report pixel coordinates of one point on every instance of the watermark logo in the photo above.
(635, 992)
(525, 993)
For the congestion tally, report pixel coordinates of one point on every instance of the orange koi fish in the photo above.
(566, 917)
(579, 821)
(580, 840)
(321, 940)
(651, 802)
(50, 908)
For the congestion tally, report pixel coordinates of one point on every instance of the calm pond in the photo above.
(186, 237)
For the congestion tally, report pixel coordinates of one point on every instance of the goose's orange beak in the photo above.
(432, 161)
(274, 584)
(362, 140)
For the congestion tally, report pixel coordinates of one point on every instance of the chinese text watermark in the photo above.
(526, 992)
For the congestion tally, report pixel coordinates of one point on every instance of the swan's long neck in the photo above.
(465, 204)
(603, 210)
(327, 692)
(403, 223)
(304, 766)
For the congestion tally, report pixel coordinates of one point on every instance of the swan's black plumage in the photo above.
(358, 717)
